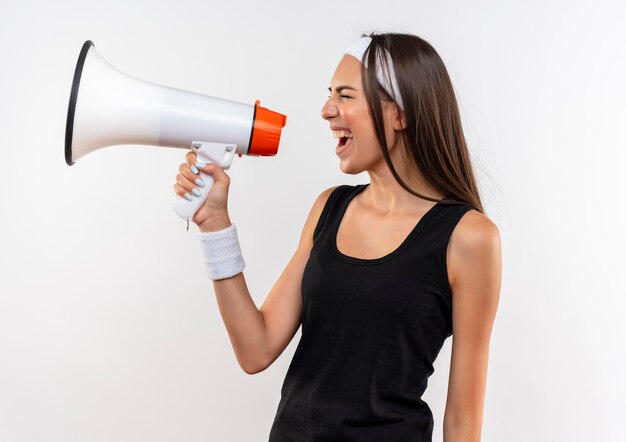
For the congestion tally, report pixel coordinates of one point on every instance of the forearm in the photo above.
(243, 320)
(468, 431)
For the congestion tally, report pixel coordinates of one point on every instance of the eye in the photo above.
(342, 96)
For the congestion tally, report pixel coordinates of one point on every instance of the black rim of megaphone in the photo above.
(69, 127)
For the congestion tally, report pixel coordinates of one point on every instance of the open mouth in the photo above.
(344, 140)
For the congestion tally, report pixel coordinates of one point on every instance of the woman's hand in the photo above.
(213, 214)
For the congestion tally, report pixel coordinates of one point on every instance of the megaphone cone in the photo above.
(108, 107)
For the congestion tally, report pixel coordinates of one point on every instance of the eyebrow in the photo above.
(340, 88)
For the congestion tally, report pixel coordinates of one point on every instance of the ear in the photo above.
(399, 118)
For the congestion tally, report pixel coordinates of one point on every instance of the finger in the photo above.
(190, 157)
(187, 185)
(181, 192)
(191, 174)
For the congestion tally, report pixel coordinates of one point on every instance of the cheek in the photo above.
(359, 121)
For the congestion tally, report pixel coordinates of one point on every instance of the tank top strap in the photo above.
(436, 237)
(328, 212)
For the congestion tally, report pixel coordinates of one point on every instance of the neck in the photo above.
(386, 196)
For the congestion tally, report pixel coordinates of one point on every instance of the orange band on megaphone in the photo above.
(266, 131)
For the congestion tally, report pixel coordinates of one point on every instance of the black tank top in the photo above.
(371, 330)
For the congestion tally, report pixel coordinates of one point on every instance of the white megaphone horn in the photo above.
(108, 107)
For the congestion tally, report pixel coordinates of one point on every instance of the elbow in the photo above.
(253, 368)
(248, 370)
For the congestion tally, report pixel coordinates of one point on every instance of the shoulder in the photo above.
(474, 244)
(474, 229)
(323, 197)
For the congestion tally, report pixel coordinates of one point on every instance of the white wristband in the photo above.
(222, 253)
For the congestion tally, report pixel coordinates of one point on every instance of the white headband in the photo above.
(357, 49)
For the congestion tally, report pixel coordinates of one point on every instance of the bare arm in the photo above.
(241, 317)
(474, 263)
(259, 336)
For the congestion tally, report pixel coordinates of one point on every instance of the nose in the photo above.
(329, 110)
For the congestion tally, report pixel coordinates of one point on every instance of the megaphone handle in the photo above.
(219, 153)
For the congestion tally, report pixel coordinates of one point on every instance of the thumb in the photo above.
(210, 168)
(215, 171)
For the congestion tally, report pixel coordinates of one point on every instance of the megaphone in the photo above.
(108, 107)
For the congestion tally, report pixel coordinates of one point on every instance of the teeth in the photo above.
(341, 133)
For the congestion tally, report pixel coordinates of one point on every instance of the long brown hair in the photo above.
(433, 137)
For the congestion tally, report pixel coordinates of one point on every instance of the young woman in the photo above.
(383, 272)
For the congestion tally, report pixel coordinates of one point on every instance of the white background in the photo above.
(109, 328)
